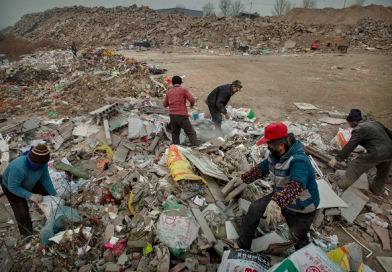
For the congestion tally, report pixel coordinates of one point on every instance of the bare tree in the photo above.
(225, 7)
(310, 4)
(359, 2)
(281, 7)
(180, 6)
(237, 8)
(208, 9)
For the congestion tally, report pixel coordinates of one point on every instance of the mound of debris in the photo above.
(59, 84)
(349, 16)
(102, 26)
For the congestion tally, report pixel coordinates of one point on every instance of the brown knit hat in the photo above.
(39, 154)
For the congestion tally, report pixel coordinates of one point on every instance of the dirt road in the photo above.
(273, 82)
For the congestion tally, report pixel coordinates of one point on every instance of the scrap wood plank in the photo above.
(214, 188)
(384, 236)
(228, 188)
(321, 156)
(204, 226)
(236, 192)
(386, 262)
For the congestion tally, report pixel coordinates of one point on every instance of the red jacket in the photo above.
(176, 99)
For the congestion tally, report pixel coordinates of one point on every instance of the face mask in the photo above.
(274, 152)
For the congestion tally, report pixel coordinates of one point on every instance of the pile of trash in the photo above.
(102, 26)
(128, 200)
(60, 84)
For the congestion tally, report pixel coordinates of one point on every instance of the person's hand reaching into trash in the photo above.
(36, 198)
(273, 212)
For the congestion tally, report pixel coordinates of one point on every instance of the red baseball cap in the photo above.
(273, 131)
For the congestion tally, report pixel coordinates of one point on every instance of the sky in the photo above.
(12, 10)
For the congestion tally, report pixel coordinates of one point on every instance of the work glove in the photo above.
(272, 212)
(332, 163)
(36, 198)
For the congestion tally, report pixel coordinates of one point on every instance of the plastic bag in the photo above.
(112, 190)
(343, 137)
(243, 260)
(104, 147)
(179, 166)
(175, 231)
(118, 247)
(242, 113)
(60, 219)
(348, 257)
(137, 128)
(60, 180)
(49, 204)
(309, 258)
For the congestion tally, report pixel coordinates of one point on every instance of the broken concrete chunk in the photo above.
(262, 243)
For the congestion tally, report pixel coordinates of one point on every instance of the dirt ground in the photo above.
(272, 83)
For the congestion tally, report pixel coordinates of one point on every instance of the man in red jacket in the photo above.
(176, 99)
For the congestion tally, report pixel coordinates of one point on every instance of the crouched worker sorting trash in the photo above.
(295, 194)
(176, 99)
(27, 178)
(377, 140)
(217, 101)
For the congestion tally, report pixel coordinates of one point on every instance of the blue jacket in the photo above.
(20, 179)
(294, 165)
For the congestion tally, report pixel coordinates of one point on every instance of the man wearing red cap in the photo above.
(295, 194)
(27, 178)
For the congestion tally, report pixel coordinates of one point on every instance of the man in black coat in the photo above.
(217, 101)
(377, 140)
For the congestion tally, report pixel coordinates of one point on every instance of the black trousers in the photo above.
(178, 122)
(298, 223)
(216, 116)
(21, 209)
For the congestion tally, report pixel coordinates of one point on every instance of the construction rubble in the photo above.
(113, 26)
(128, 200)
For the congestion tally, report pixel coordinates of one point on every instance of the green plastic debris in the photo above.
(53, 113)
(116, 73)
(148, 86)
(147, 250)
(57, 87)
(171, 206)
(251, 114)
(265, 52)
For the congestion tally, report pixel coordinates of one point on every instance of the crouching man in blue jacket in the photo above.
(27, 178)
(295, 194)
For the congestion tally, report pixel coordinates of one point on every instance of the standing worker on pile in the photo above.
(27, 178)
(377, 140)
(295, 193)
(217, 101)
(73, 48)
(176, 99)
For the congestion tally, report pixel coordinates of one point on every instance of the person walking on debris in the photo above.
(377, 140)
(73, 48)
(295, 192)
(27, 178)
(176, 99)
(217, 101)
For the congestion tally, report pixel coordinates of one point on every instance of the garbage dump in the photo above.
(129, 200)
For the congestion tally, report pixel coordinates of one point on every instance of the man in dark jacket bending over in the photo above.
(377, 140)
(217, 101)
